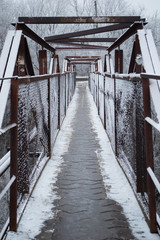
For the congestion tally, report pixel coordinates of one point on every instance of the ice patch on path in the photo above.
(116, 184)
(41, 203)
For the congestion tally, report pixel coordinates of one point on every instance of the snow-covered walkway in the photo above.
(46, 216)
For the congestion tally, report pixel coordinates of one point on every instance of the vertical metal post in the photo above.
(119, 61)
(115, 117)
(49, 120)
(104, 102)
(116, 61)
(22, 72)
(149, 156)
(59, 101)
(42, 62)
(13, 164)
(140, 161)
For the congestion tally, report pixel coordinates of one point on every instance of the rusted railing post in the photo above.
(13, 164)
(119, 61)
(104, 79)
(59, 102)
(42, 62)
(149, 156)
(115, 118)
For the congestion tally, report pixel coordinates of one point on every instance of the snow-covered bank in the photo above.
(41, 204)
(116, 184)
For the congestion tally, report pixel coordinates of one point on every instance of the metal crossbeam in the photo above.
(86, 40)
(110, 28)
(131, 31)
(78, 20)
(29, 33)
(82, 45)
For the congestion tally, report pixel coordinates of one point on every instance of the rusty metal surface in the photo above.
(86, 40)
(130, 32)
(29, 33)
(110, 28)
(77, 20)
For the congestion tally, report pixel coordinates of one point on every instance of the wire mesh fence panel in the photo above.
(126, 122)
(62, 98)
(101, 97)
(54, 108)
(67, 90)
(110, 109)
(33, 130)
(97, 91)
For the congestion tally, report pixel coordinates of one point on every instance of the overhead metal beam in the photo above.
(76, 63)
(83, 57)
(80, 59)
(86, 40)
(82, 45)
(130, 32)
(78, 20)
(110, 28)
(78, 48)
(29, 33)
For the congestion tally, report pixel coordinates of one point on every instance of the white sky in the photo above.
(150, 5)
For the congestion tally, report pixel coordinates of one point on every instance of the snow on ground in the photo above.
(116, 184)
(38, 211)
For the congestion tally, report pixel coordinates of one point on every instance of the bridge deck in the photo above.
(82, 193)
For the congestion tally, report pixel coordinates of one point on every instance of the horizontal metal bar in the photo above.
(4, 130)
(77, 20)
(76, 63)
(80, 45)
(29, 33)
(83, 57)
(154, 179)
(78, 48)
(7, 187)
(110, 28)
(153, 123)
(86, 40)
(29, 79)
(130, 32)
(150, 76)
(131, 76)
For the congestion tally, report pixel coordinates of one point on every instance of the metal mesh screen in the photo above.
(62, 98)
(41, 109)
(54, 108)
(101, 98)
(120, 107)
(33, 129)
(110, 109)
(126, 122)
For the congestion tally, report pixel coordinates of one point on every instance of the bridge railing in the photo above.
(38, 107)
(123, 103)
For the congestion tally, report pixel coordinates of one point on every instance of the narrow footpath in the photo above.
(84, 211)
(82, 193)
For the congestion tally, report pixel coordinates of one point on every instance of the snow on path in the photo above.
(41, 204)
(116, 184)
(117, 187)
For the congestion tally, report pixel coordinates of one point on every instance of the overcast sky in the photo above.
(150, 5)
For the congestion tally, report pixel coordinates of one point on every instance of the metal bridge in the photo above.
(33, 106)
